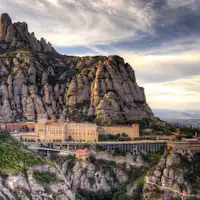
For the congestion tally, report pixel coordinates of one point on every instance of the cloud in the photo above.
(167, 62)
(94, 22)
(69, 22)
(170, 73)
(192, 4)
(182, 93)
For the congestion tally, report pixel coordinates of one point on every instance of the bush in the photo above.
(100, 148)
(92, 159)
(89, 195)
(124, 135)
(13, 157)
(144, 173)
(72, 162)
(119, 152)
(105, 162)
(137, 194)
(45, 177)
(109, 137)
(154, 158)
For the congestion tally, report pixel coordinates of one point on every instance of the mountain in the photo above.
(36, 79)
(194, 113)
(185, 118)
(173, 114)
(16, 35)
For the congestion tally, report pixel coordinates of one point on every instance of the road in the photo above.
(50, 149)
(174, 191)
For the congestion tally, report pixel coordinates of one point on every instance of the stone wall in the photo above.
(131, 131)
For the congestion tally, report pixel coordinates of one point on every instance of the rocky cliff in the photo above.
(35, 79)
(176, 176)
(99, 173)
(27, 176)
(19, 186)
(16, 35)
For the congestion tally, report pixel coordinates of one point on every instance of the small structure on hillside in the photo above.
(82, 154)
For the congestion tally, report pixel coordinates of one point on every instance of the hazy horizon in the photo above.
(159, 38)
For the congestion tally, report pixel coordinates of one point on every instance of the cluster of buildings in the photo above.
(47, 130)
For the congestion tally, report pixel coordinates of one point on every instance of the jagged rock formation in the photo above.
(129, 159)
(35, 79)
(176, 175)
(93, 177)
(16, 35)
(101, 171)
(21, 187)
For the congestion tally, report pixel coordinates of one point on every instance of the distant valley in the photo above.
(187, 117)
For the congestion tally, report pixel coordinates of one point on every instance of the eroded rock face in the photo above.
(86, 175)
(94, 91)
(82, 89)
(174, 172)
(5, 22)
(20, 187)
(16, 35)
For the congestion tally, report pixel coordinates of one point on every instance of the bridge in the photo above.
(149, 146)
(51, 149)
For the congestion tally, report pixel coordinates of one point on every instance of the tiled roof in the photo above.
(81, 150)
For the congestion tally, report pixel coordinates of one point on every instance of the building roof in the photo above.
(82, 150)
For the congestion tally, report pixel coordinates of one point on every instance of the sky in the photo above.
(160, 39)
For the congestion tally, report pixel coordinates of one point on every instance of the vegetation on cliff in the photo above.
(13, 157)
(45, 177)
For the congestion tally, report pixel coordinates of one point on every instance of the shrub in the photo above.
(119, 152)
(13, 157)
(154, 158)
(92, 159)
(45, 177)
(144, 173)
(100, 148)
(89, 195)
(72, 162)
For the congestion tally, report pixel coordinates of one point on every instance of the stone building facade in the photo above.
(82, 132)
(131, 131)
(71, 131)
(17, 126)
(27, 136)
(51, 131)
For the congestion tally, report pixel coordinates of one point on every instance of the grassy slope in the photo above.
(13, 157)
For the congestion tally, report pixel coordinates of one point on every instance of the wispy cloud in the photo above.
(181, 93)
(68, 22)
(171, 61)
(183, 3)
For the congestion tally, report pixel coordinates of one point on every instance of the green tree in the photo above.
(124, 135)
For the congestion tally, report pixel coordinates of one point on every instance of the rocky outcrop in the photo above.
(61, 86)
(93, 177)
(81, 89)
(129, 159)
(21, 187)
(16, 35)
(176, 175)
(101, 171)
